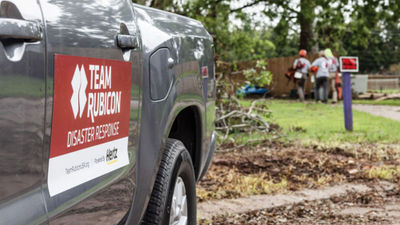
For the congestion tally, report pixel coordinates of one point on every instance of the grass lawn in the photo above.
(393, 102)
(311, 122)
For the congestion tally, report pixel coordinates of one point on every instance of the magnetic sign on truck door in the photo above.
(90, 126)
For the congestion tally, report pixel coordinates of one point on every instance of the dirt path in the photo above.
(343, 204)
(212, 208)
(391, 112)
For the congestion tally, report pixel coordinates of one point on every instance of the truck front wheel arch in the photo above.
(187, 129)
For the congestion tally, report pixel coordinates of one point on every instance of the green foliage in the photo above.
(286, 43)
(368, 29)
(259, 75)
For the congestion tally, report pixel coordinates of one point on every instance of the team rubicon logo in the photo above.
(100, 99)
(78, 99)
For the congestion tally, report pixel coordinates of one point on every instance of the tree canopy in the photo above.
(366, 28)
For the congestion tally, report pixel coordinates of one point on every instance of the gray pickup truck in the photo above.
(106, 113)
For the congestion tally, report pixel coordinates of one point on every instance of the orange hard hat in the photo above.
(302, 53)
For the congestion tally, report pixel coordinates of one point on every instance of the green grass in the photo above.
(384, 172)
(311, 122)
(393, 102)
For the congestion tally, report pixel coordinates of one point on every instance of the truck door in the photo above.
(22, 112)
(93, 79)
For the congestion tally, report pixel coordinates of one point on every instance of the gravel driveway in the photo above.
(391, 112)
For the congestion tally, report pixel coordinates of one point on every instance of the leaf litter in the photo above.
(275, 167)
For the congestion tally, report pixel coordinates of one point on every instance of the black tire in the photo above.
(176, 162)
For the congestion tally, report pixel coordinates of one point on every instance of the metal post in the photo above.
(347, 101)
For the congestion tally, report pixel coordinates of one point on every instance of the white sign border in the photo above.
(349, 57)
(59, 181)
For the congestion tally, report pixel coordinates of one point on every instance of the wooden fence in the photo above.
(382, 82)
(280, 86)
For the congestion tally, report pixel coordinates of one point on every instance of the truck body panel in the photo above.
(172, 95)
(22, 113)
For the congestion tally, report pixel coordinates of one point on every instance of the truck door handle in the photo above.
(127, 41)
(20, 29)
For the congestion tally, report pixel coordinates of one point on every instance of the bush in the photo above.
(259, 75)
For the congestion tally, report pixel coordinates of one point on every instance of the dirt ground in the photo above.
(282, 168)
(369, 208)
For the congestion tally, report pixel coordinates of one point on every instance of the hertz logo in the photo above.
(111, 156)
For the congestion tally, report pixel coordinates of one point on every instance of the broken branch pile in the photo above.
(232, 117)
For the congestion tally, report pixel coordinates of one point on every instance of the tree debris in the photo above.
(232, 117)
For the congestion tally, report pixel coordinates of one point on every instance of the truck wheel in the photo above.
(173, 200)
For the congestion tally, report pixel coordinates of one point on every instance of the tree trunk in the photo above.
(306, 18)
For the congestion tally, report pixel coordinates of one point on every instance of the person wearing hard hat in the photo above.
(302, 66)
(333, 75)
(321, 67)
